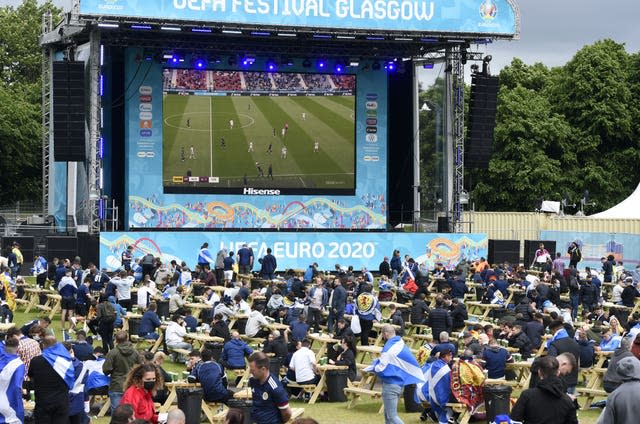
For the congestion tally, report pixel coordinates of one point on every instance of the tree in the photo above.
(20, 98)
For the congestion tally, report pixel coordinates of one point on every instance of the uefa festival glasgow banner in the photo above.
(298, 250)
(498, 17)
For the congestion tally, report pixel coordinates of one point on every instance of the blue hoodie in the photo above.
(234, 352)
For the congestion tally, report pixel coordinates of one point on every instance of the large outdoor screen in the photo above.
(240, 132)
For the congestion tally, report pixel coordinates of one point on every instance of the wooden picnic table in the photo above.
(523, 373)
(235, 318)
(483, 308)
(322, 383)
(34, 297)
(197, 308)
(54, 302)
(323, 340)
(202, 338)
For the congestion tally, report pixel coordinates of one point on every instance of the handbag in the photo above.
(355, 324)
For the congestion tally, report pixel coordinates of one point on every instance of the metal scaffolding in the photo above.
(94, 159)
(455, 96)
(47, 26)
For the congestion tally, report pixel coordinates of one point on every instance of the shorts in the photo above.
(81, 310)
(68, 303)
(228, 275)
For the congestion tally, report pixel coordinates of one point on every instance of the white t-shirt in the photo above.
(124, 287)
(255, 321)
(175, 333)
(302, 363)
(143, 294)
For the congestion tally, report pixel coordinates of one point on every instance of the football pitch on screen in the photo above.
(238, 139)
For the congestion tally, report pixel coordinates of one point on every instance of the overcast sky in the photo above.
(552, 30)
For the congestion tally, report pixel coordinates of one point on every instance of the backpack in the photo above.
(108, 313)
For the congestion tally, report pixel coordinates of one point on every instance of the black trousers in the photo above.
(365, 326)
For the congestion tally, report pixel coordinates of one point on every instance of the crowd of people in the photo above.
(343, 302)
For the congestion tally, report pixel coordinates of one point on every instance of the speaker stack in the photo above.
(482, 120)
(501, 251)
(68, 111)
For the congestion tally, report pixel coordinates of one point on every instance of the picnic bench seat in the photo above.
(354, 393)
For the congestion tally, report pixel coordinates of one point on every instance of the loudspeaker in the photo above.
(501, 251)
(530, 247)
(62, 248)
(443, 224)
(68, 111)
(482, 120)
(89, 246)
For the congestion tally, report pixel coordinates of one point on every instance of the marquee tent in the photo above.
(629, 208)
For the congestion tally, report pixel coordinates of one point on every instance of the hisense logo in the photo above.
(254, 192)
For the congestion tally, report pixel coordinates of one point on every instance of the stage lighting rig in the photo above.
(271, 65)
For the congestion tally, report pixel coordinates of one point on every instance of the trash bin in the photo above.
(336, 382)
(134, 325)
(410, 404)
(244, 405)
(497, 401)
(163, 308)
(189, 401)
(274, 367)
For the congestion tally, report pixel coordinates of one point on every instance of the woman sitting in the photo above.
(347, 357)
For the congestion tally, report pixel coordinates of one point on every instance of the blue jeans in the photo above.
(574, 299)
(390, 395)
(114, 398)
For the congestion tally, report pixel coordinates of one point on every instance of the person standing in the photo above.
(269, 265)
(67, 289)
(51, 375)
(540, 257)
(270, 400)
(11, 379)
(575, 254)
(205, 258)
(40, 270)
(562, 343)
(338, 302)
(19, 258)
(117, 365)
(557, 406)
(219, 265)
(368, 311)
(245, 259)
(623, 405)
(126, 258)
(106, 318)
(396, 368)
(317, 298)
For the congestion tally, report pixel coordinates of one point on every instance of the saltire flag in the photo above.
(11, 378)
(95, 377)
(396, 363)
(562, 334)
(437, 386)
(60, 359)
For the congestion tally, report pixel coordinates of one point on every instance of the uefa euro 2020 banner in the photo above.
(454, 16)
(298, 250)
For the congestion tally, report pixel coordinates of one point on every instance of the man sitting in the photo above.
(303, 363)
(81, 348)
(149, 323)
(234, 352)
(211, 376)
(255, 323)
(175, 335)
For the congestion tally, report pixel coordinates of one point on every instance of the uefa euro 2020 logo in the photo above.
(488, 10)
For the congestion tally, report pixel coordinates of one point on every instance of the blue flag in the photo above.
(396, 364)
(437, 388)
(60, 359)
(562, 334)
(11, 378)
(96, 377)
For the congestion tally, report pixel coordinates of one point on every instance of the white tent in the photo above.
(629, 208)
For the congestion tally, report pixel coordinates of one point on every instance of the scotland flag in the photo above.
(11, 378)
(96, 377)
(60, 359)
(396, 364)
(437, 388)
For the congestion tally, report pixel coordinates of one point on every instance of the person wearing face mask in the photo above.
(141, 384)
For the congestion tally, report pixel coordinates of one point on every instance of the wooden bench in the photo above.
(306, 388)
(465, 414)
(184, 352)
(354, 393)
(214, 411)
(590, 395)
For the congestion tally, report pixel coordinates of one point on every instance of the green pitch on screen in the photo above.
(194, 128)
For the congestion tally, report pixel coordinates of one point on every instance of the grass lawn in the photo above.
(365, 411)
(219, 150)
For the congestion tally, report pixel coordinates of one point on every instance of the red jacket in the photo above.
(142, 403)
